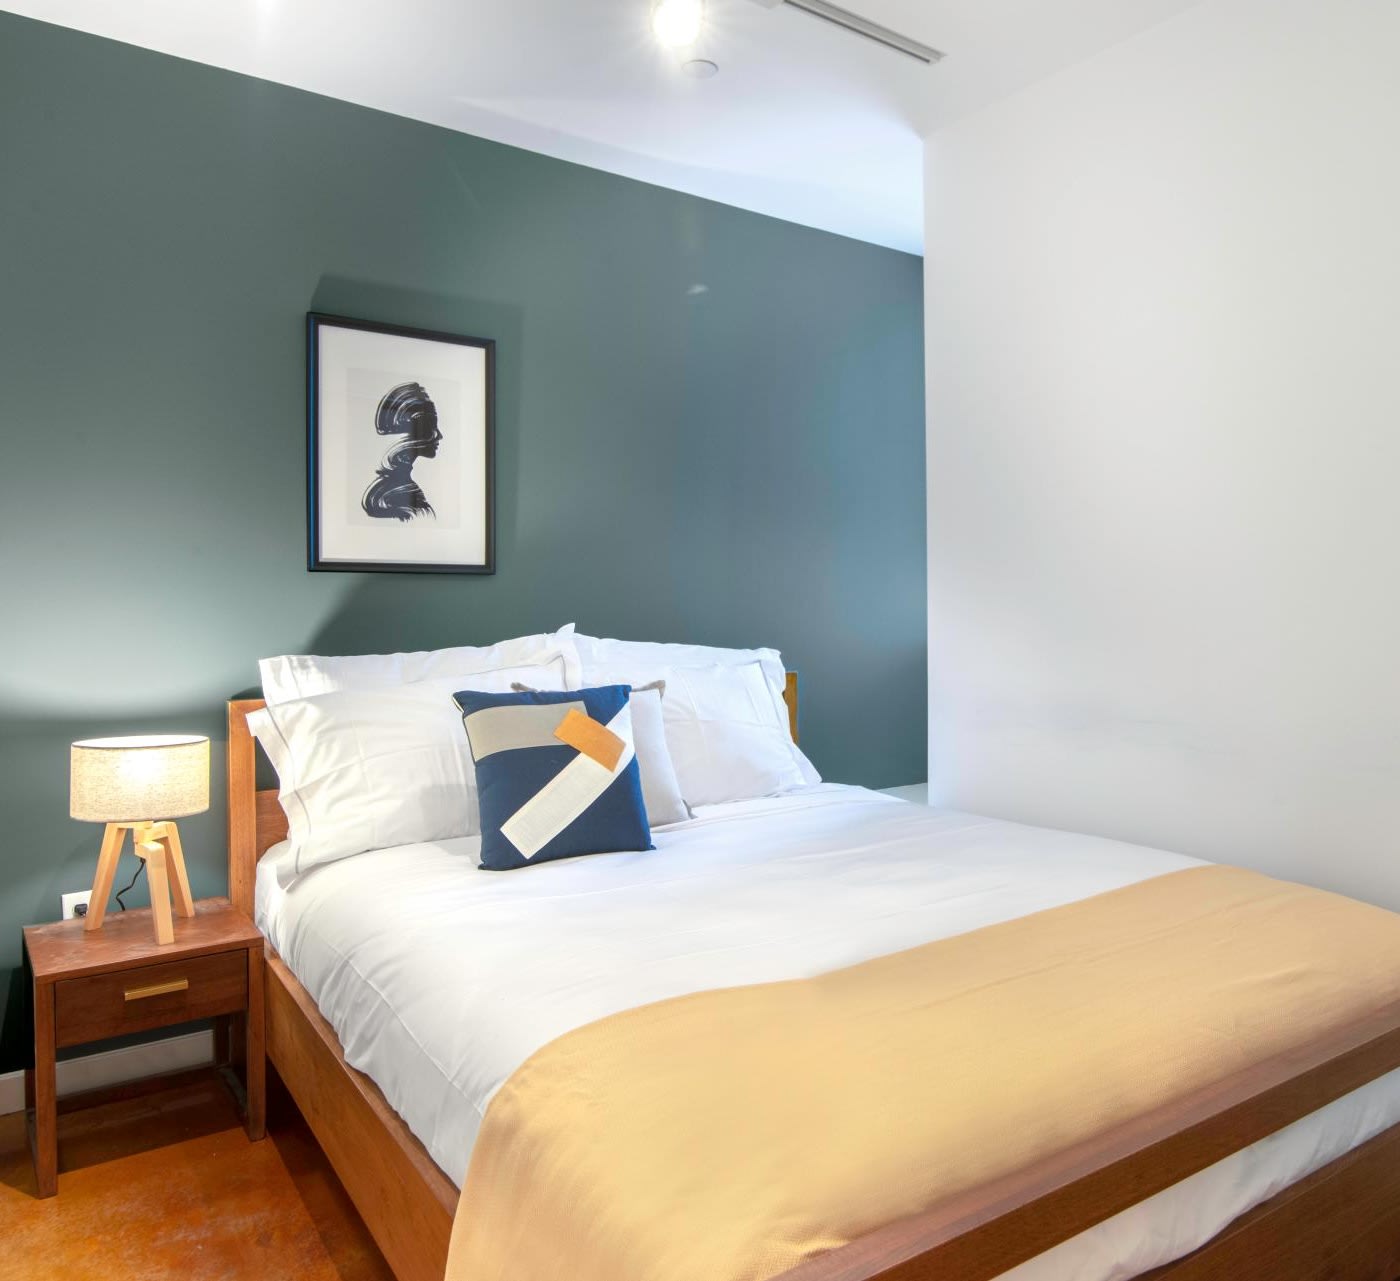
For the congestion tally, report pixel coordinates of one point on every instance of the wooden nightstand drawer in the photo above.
(149, 996)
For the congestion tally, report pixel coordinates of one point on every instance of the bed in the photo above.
(1254, 1181)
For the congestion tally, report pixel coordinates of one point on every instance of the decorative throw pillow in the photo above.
(661, 791)
(556, 774)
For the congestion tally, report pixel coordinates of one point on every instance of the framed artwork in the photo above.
(400, 449)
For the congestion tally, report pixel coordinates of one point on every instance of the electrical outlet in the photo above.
(72, 902)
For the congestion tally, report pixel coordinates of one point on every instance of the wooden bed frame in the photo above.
(1341, 1223)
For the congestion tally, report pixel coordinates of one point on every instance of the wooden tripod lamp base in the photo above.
(158, 845)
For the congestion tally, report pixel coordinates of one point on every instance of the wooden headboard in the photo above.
(255, 819)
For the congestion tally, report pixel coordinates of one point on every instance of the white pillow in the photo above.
(292, 676)
(605, 662)
(595, 652)
(365, 769)
(661, 789)
(725, 740)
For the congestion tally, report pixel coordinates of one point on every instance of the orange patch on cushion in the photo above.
(592, 739)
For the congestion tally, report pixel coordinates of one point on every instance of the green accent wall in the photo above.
(710, 422)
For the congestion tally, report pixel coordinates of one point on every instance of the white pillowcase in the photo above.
(723, 738)
(726, 720)
(615, 655)
(365, 769)
(292, 676)
(661, 789)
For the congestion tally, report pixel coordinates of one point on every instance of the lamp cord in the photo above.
(130, 883)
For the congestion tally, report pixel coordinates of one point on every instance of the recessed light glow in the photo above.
(677, 23)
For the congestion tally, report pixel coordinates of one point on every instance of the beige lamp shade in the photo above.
(136, 779)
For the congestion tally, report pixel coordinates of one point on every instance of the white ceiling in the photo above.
(804, 121)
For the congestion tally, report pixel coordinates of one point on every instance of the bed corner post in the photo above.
(242, 806)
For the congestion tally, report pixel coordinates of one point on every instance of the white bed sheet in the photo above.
(441, 979)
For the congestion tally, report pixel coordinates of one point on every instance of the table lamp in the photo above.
(137, 785)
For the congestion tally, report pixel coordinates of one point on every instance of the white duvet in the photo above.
(441, 979)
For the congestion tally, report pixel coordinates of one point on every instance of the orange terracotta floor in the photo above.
(167, 1188)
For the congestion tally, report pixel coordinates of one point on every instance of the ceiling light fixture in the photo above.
(678, 23)
(853, 22)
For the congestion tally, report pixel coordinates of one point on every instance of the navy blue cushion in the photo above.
(542, 798)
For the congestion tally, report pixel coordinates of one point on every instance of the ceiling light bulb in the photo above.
(677, 22)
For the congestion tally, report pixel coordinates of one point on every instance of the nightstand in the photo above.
(90, 985)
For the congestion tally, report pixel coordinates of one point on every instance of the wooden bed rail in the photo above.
(990, 1231)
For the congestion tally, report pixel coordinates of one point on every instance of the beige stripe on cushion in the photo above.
(506, 729)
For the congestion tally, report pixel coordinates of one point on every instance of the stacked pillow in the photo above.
(371, 750)
(726, 721)
(366, 766)
(295, 676)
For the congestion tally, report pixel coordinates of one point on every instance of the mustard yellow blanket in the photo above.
(729, 1135)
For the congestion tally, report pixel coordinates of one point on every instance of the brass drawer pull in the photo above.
(157, 989)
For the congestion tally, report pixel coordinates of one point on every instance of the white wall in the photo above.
(1163, 297)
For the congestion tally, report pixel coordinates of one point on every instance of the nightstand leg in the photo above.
(223, 1051)
(45, 1093)
(255, 1048)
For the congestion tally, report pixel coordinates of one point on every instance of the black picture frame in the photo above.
(318, 559)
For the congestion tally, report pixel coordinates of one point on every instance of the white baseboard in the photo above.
(112, 1067)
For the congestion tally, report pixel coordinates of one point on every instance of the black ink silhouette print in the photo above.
(408, 411)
